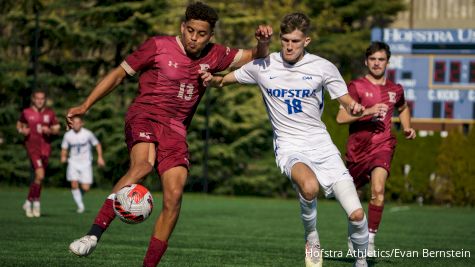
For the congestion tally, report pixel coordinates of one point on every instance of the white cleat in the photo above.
(36, 209)
(80, 209)
(28, 210)
(83, 246)
(360, 262)
(313, 255)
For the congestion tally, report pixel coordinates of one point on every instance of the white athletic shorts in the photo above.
(328, 170)
(79, 172)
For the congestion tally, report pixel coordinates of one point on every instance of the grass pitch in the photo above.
(230, 231)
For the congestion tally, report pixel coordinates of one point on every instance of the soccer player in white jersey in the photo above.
(79, 141)
(292, 83)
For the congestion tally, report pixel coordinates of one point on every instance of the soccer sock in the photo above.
(358, 232)
(375, 213)
(34, 192)
(155, 251)
(103, 218)
(308, 213)
(77, 196)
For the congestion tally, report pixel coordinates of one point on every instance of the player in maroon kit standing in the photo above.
(156, 122)
(37, 123)
(371, 145)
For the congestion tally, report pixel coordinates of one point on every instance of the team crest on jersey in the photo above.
(172, 64)
(204, 67)
(46, 118)
(392, 97)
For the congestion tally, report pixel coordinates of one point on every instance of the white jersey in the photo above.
(294, 95)
(80, 145)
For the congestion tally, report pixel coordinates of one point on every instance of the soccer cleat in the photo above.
(360, 262)
(83, 246)
(313, 254)
(371, 249)
(80, 209)
(27, 208)
(36, 209)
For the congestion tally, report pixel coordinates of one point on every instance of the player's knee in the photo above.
(172, 199)
(377, 197)
(140, 169)
(357, 215)
(309, 190)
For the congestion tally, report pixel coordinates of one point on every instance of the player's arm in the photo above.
(405, 118)
(100, 159)
(351, 111)
(104, 87)
(263, 35)
(22, 128)
(217, 80)
(64, 155)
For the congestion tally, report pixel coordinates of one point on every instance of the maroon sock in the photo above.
(106, 215)
(34, 192)
(375, 213)
(155, 251)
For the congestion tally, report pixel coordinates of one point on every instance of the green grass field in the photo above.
(226, 231)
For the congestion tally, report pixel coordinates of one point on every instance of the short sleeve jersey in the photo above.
(36, 142)
(169, 84)
(367, 135)
(294, 98)
(80, 145)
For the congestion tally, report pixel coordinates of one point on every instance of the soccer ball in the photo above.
(133, 203)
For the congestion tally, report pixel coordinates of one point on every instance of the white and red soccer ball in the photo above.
(133, 203)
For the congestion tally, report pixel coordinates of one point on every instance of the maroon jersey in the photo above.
(367, 136)
(37, 143)
(169, 84)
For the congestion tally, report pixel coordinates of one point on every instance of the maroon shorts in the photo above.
(38, 161)
(168, 136)
(361, 170)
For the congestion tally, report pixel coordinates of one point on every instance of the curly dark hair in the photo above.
(200, 11)
(377, 46)
(295, 21)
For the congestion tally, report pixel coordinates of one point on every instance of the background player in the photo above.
(292, 83)
(37, 123)
(156, 122)
(371, 145)
(79, 141)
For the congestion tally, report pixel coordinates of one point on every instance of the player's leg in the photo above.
(376, 204)
(307, 184)
(346, 194)
(173, 182)
(36, 188)
(142, 158)
(77, 195)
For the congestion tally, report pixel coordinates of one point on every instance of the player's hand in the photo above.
(101, 162)
(45, 130)
(410, 133)
(378, 111)
(24, 131)
(206, 77)
(75, 111)
(356, 109)
(264, 33)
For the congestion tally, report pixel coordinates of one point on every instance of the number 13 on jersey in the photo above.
(189, 91)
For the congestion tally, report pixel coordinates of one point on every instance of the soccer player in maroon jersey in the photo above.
(156, 122)
(371, 145)
(37, 123)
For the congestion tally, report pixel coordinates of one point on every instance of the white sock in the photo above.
(358, 232)
(308, 213)
(77, 196)
(371, 237)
